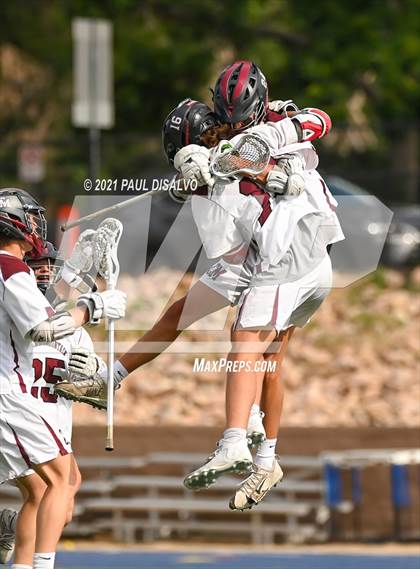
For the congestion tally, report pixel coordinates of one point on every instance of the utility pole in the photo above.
(93, 103)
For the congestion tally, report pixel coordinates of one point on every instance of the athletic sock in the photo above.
(15, 566)
(234, 436)
(266, 453)
(44, 560)
(120, 373)
(255, 409)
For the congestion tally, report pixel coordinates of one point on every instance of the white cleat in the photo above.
(255, 431)
(227, 459)
(7, 535)
(254, 489)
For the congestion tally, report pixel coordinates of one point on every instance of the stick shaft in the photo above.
(105, 210)
(110, 387)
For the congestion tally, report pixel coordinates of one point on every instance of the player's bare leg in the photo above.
(75, 482)
(266, 470)
(232, 453)
(272, 395)
(52, 511)
(241, 386)
(198, 303)
(32, 488)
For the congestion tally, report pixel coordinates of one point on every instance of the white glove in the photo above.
(55, 328)
(193, 163)
(108, 304)
(83, 362)
(286, 178)
(280, 106)
(80, 261)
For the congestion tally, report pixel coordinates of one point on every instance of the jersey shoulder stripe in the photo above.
(249, 188)
(10, 265)
(272, 116)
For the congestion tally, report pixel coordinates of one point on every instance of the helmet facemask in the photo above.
(46, 271)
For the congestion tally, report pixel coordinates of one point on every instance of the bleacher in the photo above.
(134, 499)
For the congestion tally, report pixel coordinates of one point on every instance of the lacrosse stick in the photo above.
(105, 260)
(110, 209)
(250, 155)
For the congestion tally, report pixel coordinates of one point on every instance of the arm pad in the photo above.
(107, 304)
(55, 328)
(83, 282)
(95, 305)
(311, 124)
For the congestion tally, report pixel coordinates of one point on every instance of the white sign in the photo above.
(31, 163)
(93, 104)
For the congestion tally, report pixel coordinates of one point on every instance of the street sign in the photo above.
(93, 104)
(31, 163)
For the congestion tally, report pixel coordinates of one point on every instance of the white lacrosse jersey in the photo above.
(50, 367)
(293, 230)
(22, 307)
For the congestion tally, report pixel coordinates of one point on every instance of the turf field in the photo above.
(224, 560)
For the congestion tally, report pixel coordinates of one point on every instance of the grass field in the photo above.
(226, 560)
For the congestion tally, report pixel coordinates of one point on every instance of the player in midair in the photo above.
(288, 289)
(29, 430)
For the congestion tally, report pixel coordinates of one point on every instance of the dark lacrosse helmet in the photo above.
(185, 124)
(241, 95)
(46, 266)
(22, 218)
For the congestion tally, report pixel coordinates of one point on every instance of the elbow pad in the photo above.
(95, 306)
(311, 124)
(55, 328)
(83, 282)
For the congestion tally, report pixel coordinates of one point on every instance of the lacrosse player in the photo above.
(29, 430)
(50, 364)
(294, 275)
(304, 271)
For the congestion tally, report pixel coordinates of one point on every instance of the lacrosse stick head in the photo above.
(249, 155)
(81, 257)
(105, 249)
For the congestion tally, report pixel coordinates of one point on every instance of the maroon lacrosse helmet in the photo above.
(241, 95)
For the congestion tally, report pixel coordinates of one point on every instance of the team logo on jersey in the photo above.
(216, 271)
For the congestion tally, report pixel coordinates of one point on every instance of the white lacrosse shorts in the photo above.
(284, 305)
(29, 434)
(63, 421)
(228, 280)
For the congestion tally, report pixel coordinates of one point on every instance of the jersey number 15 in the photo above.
(51, 364)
